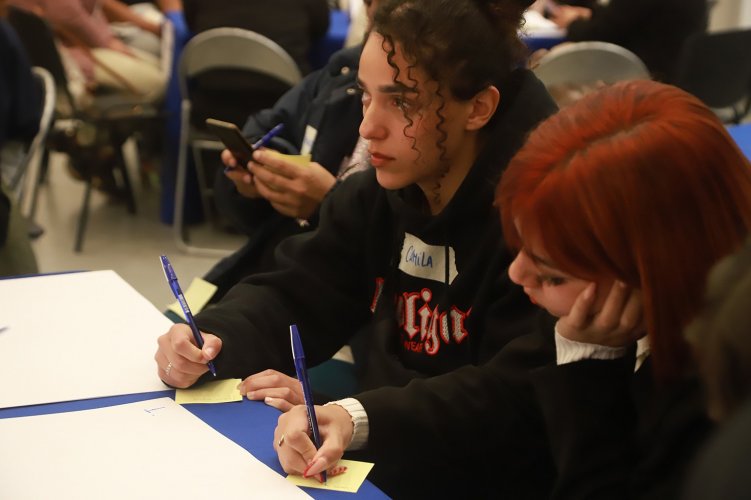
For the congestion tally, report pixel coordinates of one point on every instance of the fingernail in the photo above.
(338, 470)
(320, 478)
(251, 395)
(311, 465)
(210, 352)
(268, 400)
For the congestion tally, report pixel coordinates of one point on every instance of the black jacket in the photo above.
(328, 280)
(326, 100)
(522, 427)
(654, 30)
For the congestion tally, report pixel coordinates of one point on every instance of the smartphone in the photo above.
(231, 136)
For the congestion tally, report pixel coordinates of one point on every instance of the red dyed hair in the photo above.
(639, 182)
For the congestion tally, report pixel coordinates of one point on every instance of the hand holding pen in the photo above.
(184, 353)
(298, 357)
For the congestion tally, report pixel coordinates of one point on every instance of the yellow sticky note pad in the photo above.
(221, 391)
(197, 295)
(350, 481)
(299, 160)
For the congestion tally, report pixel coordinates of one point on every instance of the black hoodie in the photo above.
(378, 263)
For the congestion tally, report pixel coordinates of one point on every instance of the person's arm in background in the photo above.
(70, 17)
(116, 11)
(318, 13)
(245, 213)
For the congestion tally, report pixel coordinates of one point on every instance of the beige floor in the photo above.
(128, 244)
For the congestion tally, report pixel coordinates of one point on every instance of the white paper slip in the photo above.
(76, 336)
(152, 449)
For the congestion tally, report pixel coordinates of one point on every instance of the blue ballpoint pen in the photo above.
(263, 141)
(298, 355)
(169, 273)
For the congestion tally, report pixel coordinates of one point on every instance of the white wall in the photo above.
(729, 14)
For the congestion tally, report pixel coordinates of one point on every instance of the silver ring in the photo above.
(168, 369)
(281, 441)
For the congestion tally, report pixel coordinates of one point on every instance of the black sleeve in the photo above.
(321, 285)
(472, 423)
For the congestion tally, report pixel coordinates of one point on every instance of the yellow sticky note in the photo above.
(299, 160)
(197, 295)
(350, 481)
(221, 391)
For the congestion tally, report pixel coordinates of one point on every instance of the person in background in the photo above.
(20, 109)
(409, 250)
(618, 206)
(140, 24)
(95, 56)
(654, 30)
(721, 341)
(321, 116)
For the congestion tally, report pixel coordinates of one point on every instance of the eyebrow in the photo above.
(394, 88)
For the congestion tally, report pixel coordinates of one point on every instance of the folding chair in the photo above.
(114, 117)
(221, 49)
(716, 68)
(582, 64)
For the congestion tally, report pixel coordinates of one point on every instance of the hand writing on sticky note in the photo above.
(297, 453)
(347, 475)
(293, 184)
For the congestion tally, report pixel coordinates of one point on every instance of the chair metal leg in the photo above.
(178, 225)
(83, 217)
(130, 199)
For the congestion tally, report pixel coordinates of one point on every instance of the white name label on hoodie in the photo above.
(427, 261)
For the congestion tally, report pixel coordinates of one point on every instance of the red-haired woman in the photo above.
(618, 206)
(639, 188)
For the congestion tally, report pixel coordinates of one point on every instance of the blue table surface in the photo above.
(250, 424)
(742, 136)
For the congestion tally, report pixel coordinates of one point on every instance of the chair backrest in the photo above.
(47, 83)
(232, 72)
(716, 67)
(236, 48)
(39, 41)
(589, 62)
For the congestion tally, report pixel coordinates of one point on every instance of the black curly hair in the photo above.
(462, 45)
